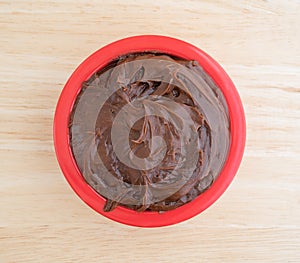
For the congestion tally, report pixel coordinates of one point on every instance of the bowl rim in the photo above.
(102, 57)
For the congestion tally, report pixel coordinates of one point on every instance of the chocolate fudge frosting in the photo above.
(150, 132)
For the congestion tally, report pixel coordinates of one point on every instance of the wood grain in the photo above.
(257, 219)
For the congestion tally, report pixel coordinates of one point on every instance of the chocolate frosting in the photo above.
(150, 132)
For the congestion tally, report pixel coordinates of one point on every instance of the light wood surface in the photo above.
(257, 219)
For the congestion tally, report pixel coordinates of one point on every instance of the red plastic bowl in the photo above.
(101, 58)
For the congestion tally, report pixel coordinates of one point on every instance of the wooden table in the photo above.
(257, 219)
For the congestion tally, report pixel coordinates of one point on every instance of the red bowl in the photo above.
(101, 58)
